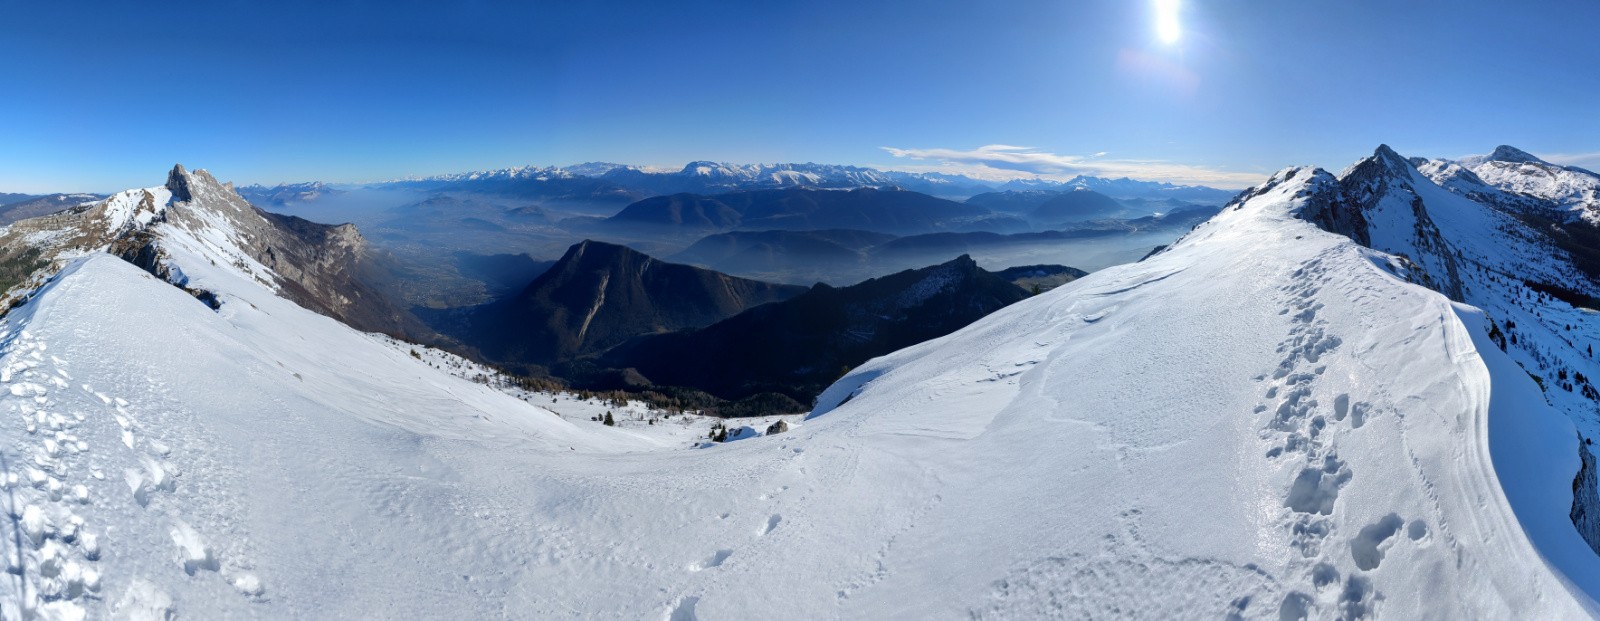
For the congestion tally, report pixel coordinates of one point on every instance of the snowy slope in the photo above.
(1514, 170)
(1294, 428)
(1480, 253)
(211, 439)
(1263, 419)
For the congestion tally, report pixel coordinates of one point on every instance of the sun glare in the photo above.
(1167, 26)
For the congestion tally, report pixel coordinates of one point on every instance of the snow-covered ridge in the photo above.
(1472, 243)
(1266, 420)
(1263, 420)
(158, 458)
(192, 214)
(195, 219)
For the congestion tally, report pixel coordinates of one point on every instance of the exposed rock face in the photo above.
(318, 266)
(1324, 205)
(178, 183)
(1377, 203)
(1586, 499)
(778, 427)
(321, 267)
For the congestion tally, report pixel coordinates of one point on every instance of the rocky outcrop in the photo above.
(328, 269)
(1383, 188)
(178, 183)
(1586, 499)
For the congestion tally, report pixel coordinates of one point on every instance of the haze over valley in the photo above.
(1175, 309)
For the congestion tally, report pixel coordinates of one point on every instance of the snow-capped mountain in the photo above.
(1156, 190)
(1530, 282)
(596, 169)
(1344, 396)
(286, 193)
(786, 175)
(1123, 188)
(713, 177)
(705, 177)
(1571, 189)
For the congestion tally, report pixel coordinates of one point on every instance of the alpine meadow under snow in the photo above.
(1343, 396)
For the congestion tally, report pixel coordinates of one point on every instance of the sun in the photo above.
(1167, 27)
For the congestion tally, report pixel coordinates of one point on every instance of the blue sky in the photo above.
(99, 96)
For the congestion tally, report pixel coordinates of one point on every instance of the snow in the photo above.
(1296, 375)
(1496, 255)
(661, 428)
(132, 208)
(1263, 421)
(1513, 170)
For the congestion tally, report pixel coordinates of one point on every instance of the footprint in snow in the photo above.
(770, 525)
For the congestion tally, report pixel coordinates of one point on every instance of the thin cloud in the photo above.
(1589, 160)
(1009, 162)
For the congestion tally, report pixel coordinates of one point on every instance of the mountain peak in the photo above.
(599, 295)
(592, 248)
(1384, 163)
(1387, 155)
(186, 184)
(1508, 153)
(178, 183)
(705, 168)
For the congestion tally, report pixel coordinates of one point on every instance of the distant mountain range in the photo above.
(608, 183)
(824, 254)
(890, 211)
(26, 206)
(287, 193)
(601, 180)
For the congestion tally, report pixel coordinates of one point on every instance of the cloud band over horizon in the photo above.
(1001, 161)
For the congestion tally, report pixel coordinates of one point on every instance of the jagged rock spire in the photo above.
(178, 183)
